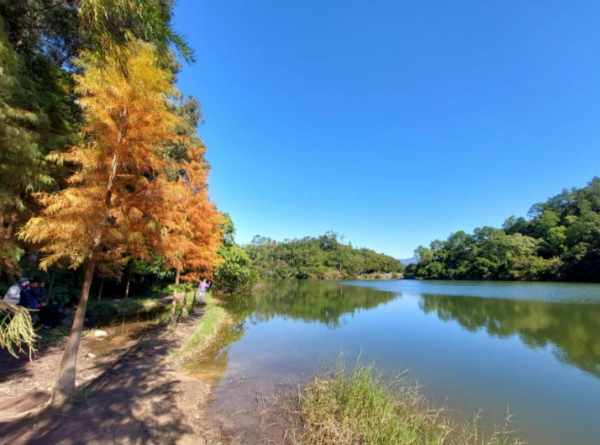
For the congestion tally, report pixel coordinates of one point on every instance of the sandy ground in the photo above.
(131, 394)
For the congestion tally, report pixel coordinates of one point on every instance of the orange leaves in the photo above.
(116, 199)
(122, 201)
(193, 221)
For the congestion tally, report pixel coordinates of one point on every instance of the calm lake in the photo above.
(531, 348)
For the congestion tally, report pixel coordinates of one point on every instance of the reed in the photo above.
(362, 406)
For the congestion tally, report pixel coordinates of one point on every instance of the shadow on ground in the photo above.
(138, 401)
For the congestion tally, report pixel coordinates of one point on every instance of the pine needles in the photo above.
(16, 329)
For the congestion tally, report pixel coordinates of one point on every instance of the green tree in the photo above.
(235, 274)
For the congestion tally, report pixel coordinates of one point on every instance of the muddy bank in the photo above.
(129, 392)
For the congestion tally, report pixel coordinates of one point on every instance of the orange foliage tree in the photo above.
(114, 203)
(194, 223)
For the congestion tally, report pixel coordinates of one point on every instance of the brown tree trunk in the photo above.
(194, 297)
(65, 386)
(174, 304)
(100, 291)
(185, 298)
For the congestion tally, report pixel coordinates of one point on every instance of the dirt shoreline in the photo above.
(130, 395)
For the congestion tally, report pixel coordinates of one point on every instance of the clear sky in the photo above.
(392, 122)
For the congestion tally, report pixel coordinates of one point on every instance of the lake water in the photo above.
(531, 348)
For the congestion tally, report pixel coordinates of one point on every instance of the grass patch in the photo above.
(98, 310)
(361, 406)
(206, 332)
(56, 336)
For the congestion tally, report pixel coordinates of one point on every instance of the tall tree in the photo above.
(114, 200)
(193, 222)
(39, 42)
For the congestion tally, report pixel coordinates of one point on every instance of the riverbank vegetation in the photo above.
(207, 329)
(560, 240)
(361, 406)
(323, 257)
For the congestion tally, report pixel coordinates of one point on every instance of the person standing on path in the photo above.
(202, 288)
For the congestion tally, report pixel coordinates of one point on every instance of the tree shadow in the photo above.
(17, 367)
(135, 402)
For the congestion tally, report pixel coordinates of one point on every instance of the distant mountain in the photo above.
(409, 261)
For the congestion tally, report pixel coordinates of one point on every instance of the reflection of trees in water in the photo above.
(305, 300)
(317, 301)
(573, 329)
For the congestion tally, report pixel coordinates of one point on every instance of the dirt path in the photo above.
(133, 395)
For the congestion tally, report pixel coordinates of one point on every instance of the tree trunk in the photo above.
(65, 386)
(100, 291)
(185, 298)
(127, 288)
(174, 304)
(194, 298)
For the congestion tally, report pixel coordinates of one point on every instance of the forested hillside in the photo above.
(323, 257)
(560, 240)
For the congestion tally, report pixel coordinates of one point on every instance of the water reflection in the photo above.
(315, 301)
(572, 330)
(212, 366)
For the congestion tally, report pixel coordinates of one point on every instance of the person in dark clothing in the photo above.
(52, 315)
(31, 296)
(35, 292)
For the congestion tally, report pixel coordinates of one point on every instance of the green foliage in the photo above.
(324, 257)
(108, 25)
(560, 241)
(34, 119)
(235, 274)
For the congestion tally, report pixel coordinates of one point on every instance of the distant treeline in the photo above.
(560, 240)
(323, 257)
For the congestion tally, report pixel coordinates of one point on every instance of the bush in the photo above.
(236, 273)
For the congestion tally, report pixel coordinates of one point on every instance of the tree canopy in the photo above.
(560, 240)
(323, 257)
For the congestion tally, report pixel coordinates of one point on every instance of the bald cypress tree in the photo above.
(114, 201)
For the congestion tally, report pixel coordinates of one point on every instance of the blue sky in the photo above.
(392, 122)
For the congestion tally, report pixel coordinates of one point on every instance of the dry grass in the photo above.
(362, 407)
